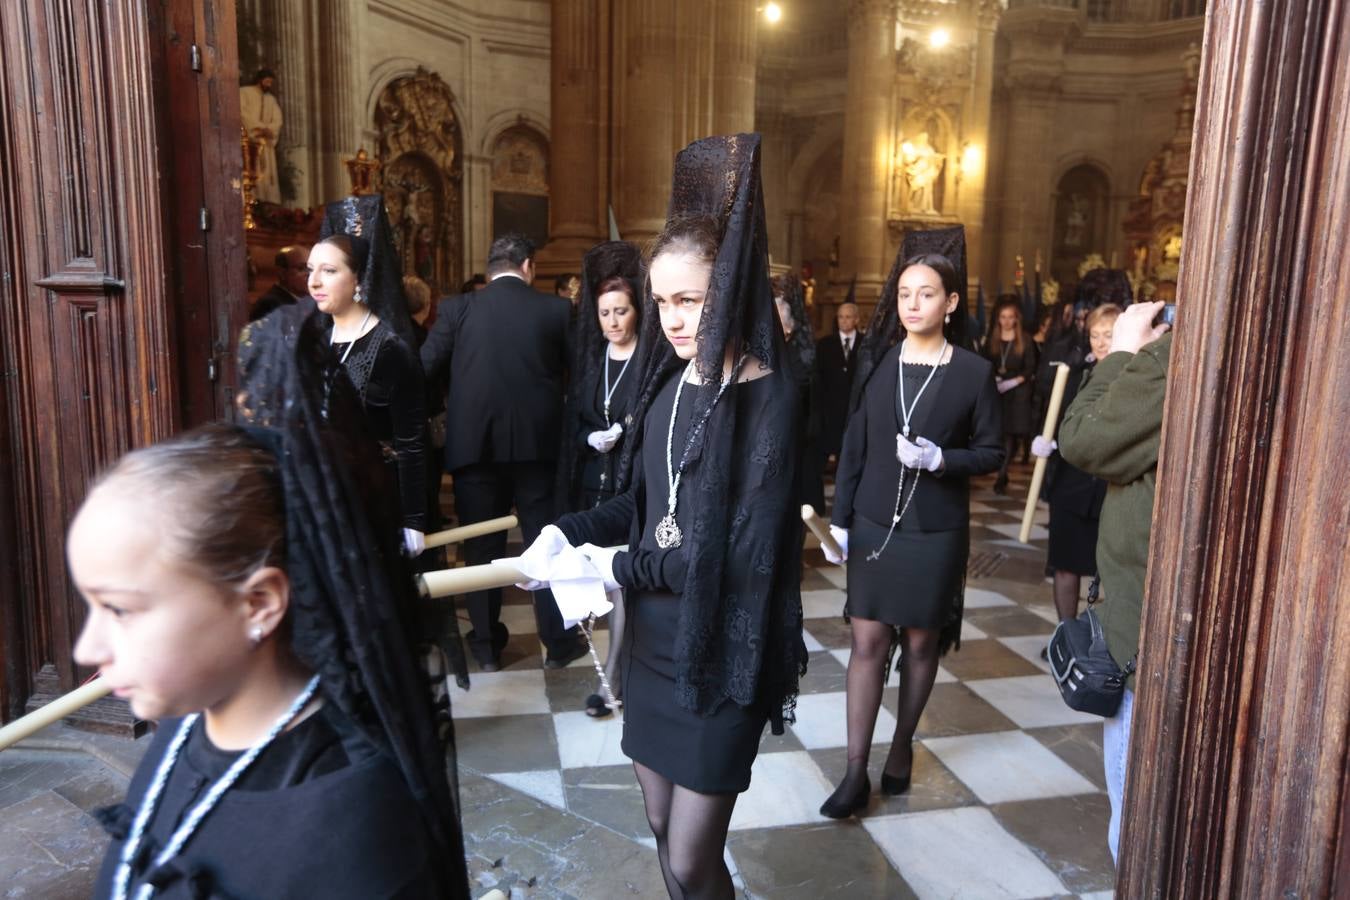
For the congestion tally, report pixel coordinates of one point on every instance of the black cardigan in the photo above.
(965, 421)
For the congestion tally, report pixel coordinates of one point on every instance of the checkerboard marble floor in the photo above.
(1008, 798)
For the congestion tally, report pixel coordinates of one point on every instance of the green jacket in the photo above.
(1112, 430)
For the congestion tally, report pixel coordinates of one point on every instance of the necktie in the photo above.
(848, 345)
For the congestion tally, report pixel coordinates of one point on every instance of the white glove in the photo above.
(931, 455)
(908, 453)
(1006, 384)
(603, 559)
(1043, 448)
(604, 441)
(550, 543)
(414, 542)
(841, 537)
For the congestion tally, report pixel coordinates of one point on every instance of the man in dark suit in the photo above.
(505, 348)
(292, 282)
(835, 357)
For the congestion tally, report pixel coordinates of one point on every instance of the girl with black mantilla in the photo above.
(600, 400)
(713, 646)
(1013, 353)
(354, 277)
(926, 418)
(246, 589)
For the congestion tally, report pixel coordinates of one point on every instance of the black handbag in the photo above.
(1088, 677)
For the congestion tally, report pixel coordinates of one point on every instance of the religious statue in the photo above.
(261, 116)
(808, 284)
(923, 164)
(1075, 223)
(361, 169)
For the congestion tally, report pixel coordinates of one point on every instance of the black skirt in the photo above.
(710, 755)
(914, 583)
(1073, 541)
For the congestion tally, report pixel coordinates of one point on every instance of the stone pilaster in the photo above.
(296, 148)
(736, 26)
(339, 95)
(645, 104)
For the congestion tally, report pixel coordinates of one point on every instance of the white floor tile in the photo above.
(586, 742)
(977, 598)
(1029, 647)
(500, 694)
(519, 618)
(812, 645)
(823, 604)
(961, 853)
(1032, 701)
(822, 722)
(977, 507)
(835, 575)
(601, 639)
(545, 785)
(1008, 765)
(943, 676)
(1047, 613)
(970, 633)
(1098, 895)
(785, 789)
(1038, 532)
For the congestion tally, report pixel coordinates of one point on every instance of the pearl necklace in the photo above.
(668, 533)
(122, 879)
(608, 389)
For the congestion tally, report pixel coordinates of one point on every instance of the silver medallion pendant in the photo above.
(668, 533)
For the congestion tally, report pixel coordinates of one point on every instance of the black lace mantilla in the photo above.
(740, 627)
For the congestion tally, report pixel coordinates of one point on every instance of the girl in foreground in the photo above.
(712, 646)
(246, 590)
(927, 419)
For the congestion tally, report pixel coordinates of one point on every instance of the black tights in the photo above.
(1067, 585)
(691, 836)
(866, 674)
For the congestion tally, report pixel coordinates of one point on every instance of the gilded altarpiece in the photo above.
(420, 152)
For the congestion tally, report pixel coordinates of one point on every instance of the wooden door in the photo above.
(104, 168)
(1238, 765)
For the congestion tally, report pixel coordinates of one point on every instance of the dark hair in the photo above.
(509, 251)
(355, 250)
(259, 75)
(562, 280)
(697, 236)
(951, 281)
(218, 496)
(615, 283)
(468, 286)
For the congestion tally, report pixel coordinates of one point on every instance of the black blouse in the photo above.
(389, 380)
(598, 469)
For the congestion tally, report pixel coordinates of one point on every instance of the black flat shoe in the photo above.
(842, 808)
(596, 708)
(572, 654)
(894, 785)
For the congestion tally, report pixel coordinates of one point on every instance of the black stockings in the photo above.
(866, 674)
(1067, 585)
(691, 837)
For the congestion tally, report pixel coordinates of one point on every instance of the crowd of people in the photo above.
(662, 414)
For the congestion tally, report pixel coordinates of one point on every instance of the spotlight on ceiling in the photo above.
(773, 13)
(940, 38)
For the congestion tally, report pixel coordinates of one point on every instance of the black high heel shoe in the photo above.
(843, 807)
(893, 785)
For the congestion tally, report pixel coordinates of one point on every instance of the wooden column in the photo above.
(1238, 766)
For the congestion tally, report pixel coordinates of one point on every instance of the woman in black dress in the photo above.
(713, 646)
(1075, 497)
(600, 401)
(926, 419)
(354, 278)
(1013, 354)
(246, 590)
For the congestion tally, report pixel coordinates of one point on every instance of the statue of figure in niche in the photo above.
(923, 164)
(1076, 221)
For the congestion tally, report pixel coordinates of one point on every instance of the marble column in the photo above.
(867, 143)
(736, 26)
(579, 193)
(645, 103)
(296, 147)
(976, 133)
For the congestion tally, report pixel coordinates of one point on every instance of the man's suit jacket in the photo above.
(505, 348)
(275, 296)
(834, 381)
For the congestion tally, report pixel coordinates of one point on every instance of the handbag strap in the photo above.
(1094, 590)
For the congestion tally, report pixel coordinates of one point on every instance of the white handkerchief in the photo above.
(577, 584)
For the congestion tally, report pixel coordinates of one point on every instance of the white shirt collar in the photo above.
(847, 335)
(507, 275)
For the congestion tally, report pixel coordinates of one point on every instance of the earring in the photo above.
(947, 318)
(256, 635)
(357, 296)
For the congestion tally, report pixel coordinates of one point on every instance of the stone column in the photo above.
(692, 81)
(645, 104)
(1036, 39)
(736, 25)
(976, 132)
(579, 194)
(339, 95)
(867, 143)
(296, 147)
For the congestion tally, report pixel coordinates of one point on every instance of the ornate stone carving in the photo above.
(520, 162)
(419, 150)
(922, 166)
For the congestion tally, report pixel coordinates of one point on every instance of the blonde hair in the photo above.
(1107, 312)
(417, 293)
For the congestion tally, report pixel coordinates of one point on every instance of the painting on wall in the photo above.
(520, 184)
